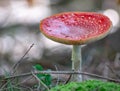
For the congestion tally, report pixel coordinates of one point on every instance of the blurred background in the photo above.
(19, 29)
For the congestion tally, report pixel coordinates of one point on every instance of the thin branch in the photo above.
(68, 79)
(40, 81)
(4, 84)
(62, 72)
(17, 63)
(113, 71)
(13, 70)
(58, 79)
(24, 81)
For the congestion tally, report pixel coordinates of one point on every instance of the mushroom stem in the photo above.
(76, 62)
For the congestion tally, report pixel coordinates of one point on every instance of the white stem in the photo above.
(76, 62)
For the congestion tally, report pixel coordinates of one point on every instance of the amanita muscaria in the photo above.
(76, 28)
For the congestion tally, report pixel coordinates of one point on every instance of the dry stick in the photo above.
(58, 79)
(113, 71)
(17, 64)
(30, 89)
(20, 85)
(63, 72)
(23, 81)
(13, 70)
(68, 79)
(40, 81)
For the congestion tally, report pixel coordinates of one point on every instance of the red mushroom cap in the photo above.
(76, 28)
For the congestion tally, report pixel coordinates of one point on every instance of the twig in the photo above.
(58, 79)
(15, 66)
(117, 75)
(17, 63)
(24, 81)
(26, 87)
(62, 72)
(68, 79)
(40, 81)
(4, 84)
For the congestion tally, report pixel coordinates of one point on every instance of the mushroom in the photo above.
(76, 28)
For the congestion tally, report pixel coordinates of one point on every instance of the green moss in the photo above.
(89, 85)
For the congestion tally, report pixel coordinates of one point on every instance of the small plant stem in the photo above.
(76, 62)
(40, 82)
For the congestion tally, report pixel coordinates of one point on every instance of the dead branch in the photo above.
(60, 72)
